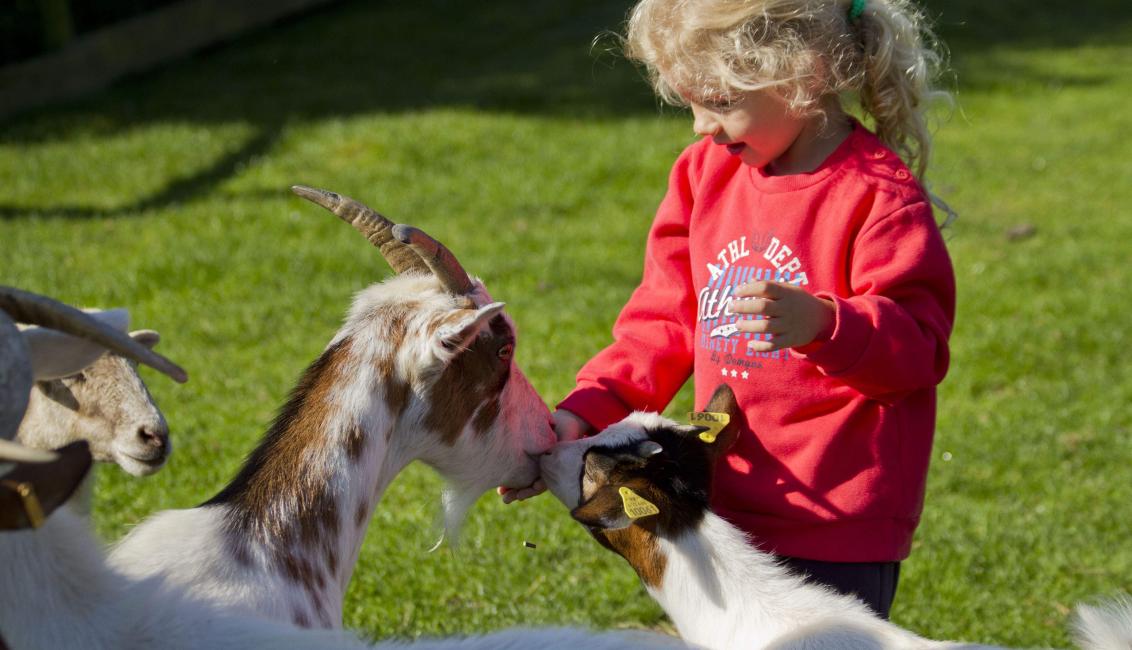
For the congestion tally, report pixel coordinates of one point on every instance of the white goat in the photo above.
(641, 488)
(108, 405)
(57, 591)
(422, 369)
(67, 341)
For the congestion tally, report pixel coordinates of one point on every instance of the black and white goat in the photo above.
(642, 489)
(423, 368)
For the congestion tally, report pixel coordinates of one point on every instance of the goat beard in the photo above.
(455, 502)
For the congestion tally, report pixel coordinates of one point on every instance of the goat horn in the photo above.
(375, 227)
(439, 259)
(34, 309)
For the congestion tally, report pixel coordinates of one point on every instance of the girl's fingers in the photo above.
(752, 326)
(778, 342)
(759, 289)
(762, 326)
(763, 346)
(521, 494)
(753, 306)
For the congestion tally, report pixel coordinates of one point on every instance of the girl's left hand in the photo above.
(791, 314)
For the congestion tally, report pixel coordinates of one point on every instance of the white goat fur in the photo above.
(57, 591)
(288, 568)
(722, 593)
(109, 406)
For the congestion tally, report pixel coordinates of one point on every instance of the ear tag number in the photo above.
(636, 506)
(707, 419)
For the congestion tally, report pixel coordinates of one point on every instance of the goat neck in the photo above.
(415, 373)
(642, 489)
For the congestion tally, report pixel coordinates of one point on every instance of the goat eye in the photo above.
(506, 352)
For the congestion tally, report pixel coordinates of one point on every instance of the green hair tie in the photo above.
(856, 9)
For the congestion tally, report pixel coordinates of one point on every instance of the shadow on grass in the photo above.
(512, 56)
(977, 25)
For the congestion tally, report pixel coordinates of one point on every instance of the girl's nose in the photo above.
(704, 122)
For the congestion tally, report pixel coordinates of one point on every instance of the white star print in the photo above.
(723, 371)
(746, 375)
(734, 373)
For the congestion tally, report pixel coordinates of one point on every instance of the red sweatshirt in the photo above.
(833, 457)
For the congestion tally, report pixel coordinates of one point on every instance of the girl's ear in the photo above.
(603, 511)
(723, 401)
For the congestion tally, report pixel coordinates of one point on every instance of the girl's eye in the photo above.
(720, 103)
(506, 352)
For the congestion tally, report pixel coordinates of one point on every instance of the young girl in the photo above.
(795, 257)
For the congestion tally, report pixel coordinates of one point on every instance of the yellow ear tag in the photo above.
(707, 419)
(636, 506)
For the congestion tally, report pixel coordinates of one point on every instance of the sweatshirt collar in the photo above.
(836, 162)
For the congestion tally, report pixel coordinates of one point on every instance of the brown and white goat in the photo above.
(423, 368)
(57, 589)
(642, 489)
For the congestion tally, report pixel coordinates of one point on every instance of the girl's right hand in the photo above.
(568, 426)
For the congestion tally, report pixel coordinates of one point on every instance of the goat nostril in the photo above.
(150, 437)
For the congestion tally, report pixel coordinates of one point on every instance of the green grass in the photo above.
(539, 160)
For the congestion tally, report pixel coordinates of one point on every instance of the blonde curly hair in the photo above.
(805, 50)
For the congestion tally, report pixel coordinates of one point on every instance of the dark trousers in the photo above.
(874, 583)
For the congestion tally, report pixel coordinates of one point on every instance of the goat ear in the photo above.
(148, 338)
(723, 401)
(603, 511)
(459, 337)
(648, 448)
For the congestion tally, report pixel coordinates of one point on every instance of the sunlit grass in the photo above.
(539, 162)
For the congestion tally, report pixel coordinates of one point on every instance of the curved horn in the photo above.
(34, 309)
(375, 227)
(439, 259)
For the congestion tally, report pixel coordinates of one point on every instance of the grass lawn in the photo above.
(539, 160)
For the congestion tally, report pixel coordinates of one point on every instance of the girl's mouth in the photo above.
(735, 148)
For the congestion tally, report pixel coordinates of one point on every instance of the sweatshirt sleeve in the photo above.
(651, 354)
(890, 336)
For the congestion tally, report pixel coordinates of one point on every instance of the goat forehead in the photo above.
(646, 421)
(423, 292)
(111, 383)
(399, 311)
(629, 431)
(112, 368)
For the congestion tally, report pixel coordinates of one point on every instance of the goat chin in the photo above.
(137, 467)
